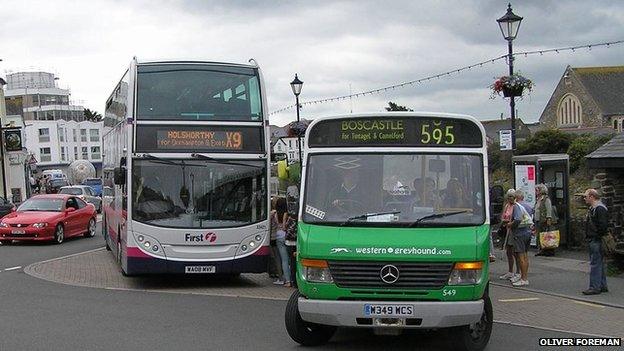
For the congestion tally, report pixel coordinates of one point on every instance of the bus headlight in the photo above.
(149, 244)
(316, 271)
(466, 273)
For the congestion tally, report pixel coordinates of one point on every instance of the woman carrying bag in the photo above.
(543, 219)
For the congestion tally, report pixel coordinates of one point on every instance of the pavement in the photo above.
(564, 275)
(518, 307)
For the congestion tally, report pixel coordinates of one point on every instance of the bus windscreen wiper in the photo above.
(366, 215)
(216, 160)
(435, 215)
(162, 160)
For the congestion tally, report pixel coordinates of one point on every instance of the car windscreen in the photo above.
(58, 182)
(92, 182)
(394, 189)
(71, 191)
(42, 204)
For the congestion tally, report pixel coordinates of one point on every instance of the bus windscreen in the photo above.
(396, 131)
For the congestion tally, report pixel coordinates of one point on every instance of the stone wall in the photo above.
(591, 115)
(611, 185)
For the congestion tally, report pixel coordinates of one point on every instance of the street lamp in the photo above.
(296, 85)
(509, 25)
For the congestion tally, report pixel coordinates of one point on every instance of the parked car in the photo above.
(49, 217)
(6, 207)
(95, 184)
(54, 185)
(84, 192)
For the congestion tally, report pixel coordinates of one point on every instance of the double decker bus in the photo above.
(186, 169)
(393, 228)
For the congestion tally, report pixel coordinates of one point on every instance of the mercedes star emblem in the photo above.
(389, 274)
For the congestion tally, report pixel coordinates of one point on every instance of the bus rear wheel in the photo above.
(302, 332)
(474, 337)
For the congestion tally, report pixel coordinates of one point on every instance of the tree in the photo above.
(92, 116)
(547, 141)
(395, 107)
(582, 146)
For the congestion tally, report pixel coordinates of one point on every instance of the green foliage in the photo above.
(581, 146)
(395, 107)
(547, 141)
(498, 159)
(92, 116)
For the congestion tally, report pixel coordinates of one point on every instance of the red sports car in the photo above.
(49, 217)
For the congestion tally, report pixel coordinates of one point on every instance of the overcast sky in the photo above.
(334, 46)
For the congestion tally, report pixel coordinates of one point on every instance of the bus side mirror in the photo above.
(120, 175)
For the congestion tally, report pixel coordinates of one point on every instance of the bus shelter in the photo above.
(552, 170)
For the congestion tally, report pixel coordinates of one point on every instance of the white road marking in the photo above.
(12, 268)
(588, 304)
(519, 300)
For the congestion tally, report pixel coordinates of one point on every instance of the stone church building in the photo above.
(587, 100)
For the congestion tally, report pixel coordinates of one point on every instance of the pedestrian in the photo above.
(507, 218)
(521, 231)
(597, 222)
(275, 266)
(291, 246)
(543, 218)
(281, 217)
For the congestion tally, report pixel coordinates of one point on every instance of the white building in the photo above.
(56, 144)
(288, 146)
(56, 132)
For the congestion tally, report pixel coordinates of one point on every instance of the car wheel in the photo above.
(59, 234)
(302, 332)
(90, 229)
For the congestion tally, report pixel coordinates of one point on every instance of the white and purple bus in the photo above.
(186, 167)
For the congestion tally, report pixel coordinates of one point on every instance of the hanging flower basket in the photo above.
(513, 85)
(513, 91)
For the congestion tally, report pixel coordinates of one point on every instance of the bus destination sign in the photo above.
(396, 131)
(182, 139)
(151, 138)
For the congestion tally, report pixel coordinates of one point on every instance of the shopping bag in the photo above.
(608, 244)
(549, 240)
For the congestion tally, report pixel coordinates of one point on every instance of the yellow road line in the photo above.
(588, 304)
(519, 300)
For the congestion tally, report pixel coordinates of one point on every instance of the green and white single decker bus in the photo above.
(393, 228)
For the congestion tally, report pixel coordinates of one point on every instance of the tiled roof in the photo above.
(605, 85)
(613, 148)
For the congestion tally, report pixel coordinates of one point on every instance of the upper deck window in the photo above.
(198, 93)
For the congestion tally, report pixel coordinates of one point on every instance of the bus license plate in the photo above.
(199, 269)
(389, 310)
(18, 231)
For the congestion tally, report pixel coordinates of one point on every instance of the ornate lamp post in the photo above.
(296, 86)
(509, 25)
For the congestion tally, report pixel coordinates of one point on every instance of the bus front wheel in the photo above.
(302, 332)
(474, 337)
